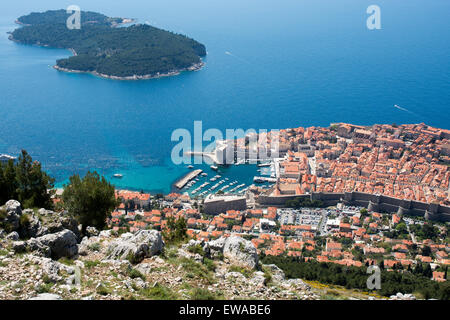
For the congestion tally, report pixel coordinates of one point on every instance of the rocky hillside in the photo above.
(43, 256)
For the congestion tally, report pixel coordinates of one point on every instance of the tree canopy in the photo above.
(90, 199)
(140, 50)
(25, 181)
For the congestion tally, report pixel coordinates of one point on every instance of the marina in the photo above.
(187, 178)
(235, 179)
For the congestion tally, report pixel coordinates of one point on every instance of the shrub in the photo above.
(209, 264)
(197, 249)
(133, 274)
(66, 261)
(196, 269)
(202, 294)
(90, 264)
(95, 246)
(102, 290)
(245, 271)
(159, 292)
(24, 220)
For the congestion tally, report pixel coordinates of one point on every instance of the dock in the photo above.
(191, 175)
(264, 179)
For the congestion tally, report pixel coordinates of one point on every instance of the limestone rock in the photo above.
(240, 252)
(13, 213)
(277, 273)
(136, 247)
(46, 296)
(60, 244)
(32, 228)
(14, 236)
(91, 232)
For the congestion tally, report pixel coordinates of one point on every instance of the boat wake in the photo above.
(404, 109)
(228, 53)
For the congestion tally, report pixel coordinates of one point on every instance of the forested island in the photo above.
(101, 47)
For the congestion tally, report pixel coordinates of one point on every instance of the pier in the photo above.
(264, 179)
(191, 175)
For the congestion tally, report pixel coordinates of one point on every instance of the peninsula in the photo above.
(101, 47)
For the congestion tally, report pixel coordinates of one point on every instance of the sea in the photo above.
(270, 65)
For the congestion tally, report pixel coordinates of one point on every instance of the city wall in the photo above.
(379, 203)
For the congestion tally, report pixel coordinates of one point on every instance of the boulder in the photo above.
(91, 232)
(31, 228)
(56, 222)
(105, 234)
(60, 244)
(240, 252)
(136, 247)
(277, 273)
(46, 296)
(83, 247)
(12, 213)
(14, 236)
(34, 245)
(214, 248)
(19, 246)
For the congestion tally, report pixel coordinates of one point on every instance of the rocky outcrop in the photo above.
(14, 236)
(277, 273)
(12, 213)
(28, 224)
(55, 245)
(91, 232)
(30, 227)
(56, 222)
(46, 296)
(136, 247)
(241, 252)
(238, 251)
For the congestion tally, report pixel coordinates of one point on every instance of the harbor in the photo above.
(234, 179)
(187, 178)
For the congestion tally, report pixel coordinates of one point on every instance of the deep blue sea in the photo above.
(270, 64)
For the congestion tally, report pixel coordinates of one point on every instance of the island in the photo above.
(106, 47)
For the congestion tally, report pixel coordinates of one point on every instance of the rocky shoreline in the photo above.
(194, 67)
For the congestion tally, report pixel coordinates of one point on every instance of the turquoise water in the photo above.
(270, 64)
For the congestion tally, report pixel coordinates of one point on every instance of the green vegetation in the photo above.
(426, 231)
(203, 294)
(356, 278)
(44, 288)
(127, 51)
(244, 271)
(134, 274)
(91, 264)
(159, 292)
(176, 230)
(60, 16)
(196, 270)
(94, 246)
(90, 199)
(103, 290)
(66, 261)
(196, 249)
(26, 182)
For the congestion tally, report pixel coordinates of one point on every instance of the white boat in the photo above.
(118, 175)
(215, 168)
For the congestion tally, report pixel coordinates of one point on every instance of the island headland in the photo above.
(102, 48)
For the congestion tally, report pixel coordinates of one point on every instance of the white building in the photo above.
(4, 158)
